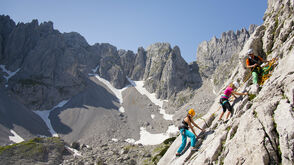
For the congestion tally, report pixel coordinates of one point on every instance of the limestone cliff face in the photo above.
(166, 72)
(217, 57)
(53, 66)
(139, 65)
(261, 129)
(211, 54)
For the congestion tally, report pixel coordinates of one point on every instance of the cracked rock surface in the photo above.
(261, 129)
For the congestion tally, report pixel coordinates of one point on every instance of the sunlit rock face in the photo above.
(217, 57)
(256, 133)
(211, 54)
(166, 72)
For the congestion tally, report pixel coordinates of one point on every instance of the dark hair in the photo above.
(189, 117)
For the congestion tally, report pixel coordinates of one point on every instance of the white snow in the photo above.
(10, 74)
(95, 69)
(139, 85)
(130, 140)
(147, 138)
(115, 140)
(74, 151)
(15, 138)
(117, 92)
(152, 116)
(45, 116)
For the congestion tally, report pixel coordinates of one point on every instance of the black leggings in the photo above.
(225, 104)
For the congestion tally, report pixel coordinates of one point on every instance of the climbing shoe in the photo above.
(220, 121)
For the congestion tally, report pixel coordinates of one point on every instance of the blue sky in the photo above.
(129, 24)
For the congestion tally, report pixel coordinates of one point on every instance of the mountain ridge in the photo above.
(258, 132)
(54, 66)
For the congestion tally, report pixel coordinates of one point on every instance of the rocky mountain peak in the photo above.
(57, 62)
(211, 54)
(252, 28)
(139, 64)
(72, 39)
(166, 72)
(260, 129)
(6, 25)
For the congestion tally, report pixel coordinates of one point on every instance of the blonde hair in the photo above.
(232, 85)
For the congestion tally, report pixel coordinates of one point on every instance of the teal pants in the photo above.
(255, 77)
(256, 72)
(186, 133)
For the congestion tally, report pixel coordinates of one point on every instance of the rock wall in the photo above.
(53, 66)
(217, 57)
(260, 131)
(211, 54)
(166, 72)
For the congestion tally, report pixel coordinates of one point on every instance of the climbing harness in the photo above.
(266, 73)
(264, 76)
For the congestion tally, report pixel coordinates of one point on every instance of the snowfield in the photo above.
(45, 116)
(15, 138)
(139, 85)
(147, 138)
(117, 92)
(10, 74)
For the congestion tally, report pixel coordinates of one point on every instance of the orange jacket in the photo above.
(251, 62)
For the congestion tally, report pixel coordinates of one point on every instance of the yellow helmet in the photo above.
(191, 112)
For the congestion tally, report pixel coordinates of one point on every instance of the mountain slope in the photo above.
(18, 118)
(261, 129)
(211, 54)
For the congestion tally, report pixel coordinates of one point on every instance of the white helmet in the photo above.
(250, 51)
(236, 84)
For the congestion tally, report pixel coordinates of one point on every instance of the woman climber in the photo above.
(186, 123)
(224, 100)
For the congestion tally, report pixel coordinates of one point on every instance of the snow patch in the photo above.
(117, 92)
(74, 151)
(45, 116)
(115, 140)
(15, 138)
(152, 116)
(10, 74)
(130, 140)
(139, 85)
(147, 138)
(95, 69)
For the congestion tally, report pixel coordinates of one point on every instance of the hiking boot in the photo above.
(220, 121)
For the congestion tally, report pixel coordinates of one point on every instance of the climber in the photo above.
(186, 123)
(253, 62)
(224, 100)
